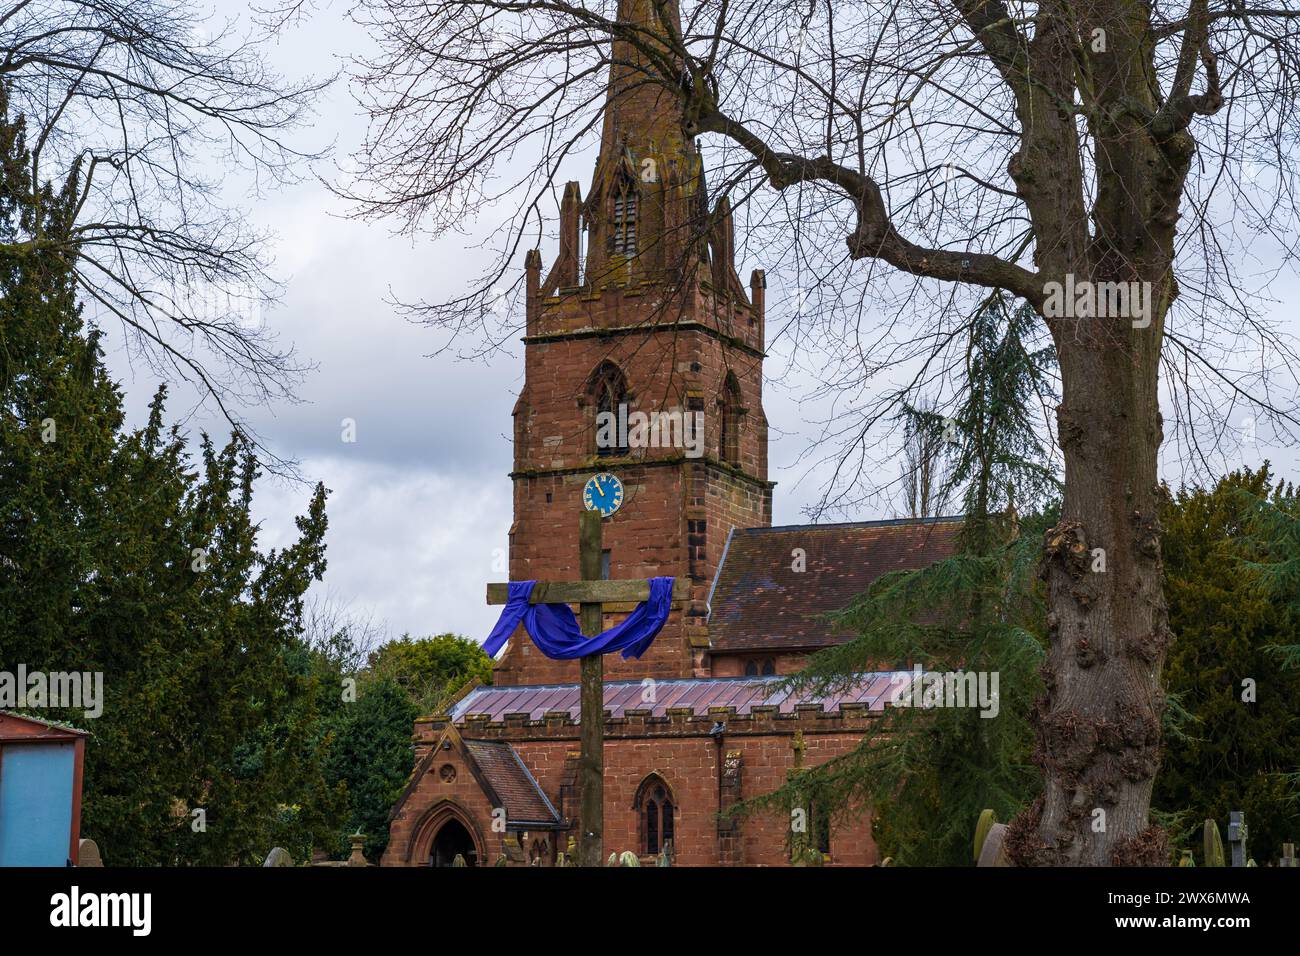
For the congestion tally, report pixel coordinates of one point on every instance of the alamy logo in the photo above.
(671, 429)
(61, 689)
(927, 689)
(74, 908)
(1098, 300)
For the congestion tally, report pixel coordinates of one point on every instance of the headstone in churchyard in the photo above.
(88, 853)
(278, 856)
(628, 859)
(992, 853)
(1288, 855)
(1237, 834)
(982, 827)
(458, 860)
(1212, 845)
(514, 850)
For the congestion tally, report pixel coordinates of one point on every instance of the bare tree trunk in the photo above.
(1099, 723)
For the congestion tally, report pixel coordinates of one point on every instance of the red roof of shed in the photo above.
(23, 727)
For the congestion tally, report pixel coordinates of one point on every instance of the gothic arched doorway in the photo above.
(452, 839)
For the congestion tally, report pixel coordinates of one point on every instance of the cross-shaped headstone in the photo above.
(1237, 834)
(798, 746)
(591, 594)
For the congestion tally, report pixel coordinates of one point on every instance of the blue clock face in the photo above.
(603, 493)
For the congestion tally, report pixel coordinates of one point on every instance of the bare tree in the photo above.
(334, 628)
(1114, 163)
(925, 488)
(148, 109)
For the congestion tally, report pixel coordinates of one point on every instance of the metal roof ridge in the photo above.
(752, 678)
(834, 525)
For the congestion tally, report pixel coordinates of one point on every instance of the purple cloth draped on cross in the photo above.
(555, 630)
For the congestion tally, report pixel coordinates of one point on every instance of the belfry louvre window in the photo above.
(729, 434)
(623, 239)
(609, 389)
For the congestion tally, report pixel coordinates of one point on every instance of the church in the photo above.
(643, 310)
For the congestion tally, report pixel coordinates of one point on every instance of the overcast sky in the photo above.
(421, 500)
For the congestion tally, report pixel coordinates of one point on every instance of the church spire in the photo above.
(647, 216)
(646, 194)
(641, 114)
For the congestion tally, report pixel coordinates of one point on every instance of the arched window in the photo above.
(539, 853)
(623, 221)
(730, 408)
(655, 804)
(760, 667)
(608, 390)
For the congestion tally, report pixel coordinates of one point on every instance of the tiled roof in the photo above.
(760, 603)
(513, 785)
(699, 694)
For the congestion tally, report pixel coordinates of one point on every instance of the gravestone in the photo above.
(88, 853)
(992, 853)
(1237, 834)
(514, 850)
(278, 856)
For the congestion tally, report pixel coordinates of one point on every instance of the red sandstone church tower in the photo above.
(642, 311)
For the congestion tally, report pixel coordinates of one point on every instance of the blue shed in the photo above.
(40, 791)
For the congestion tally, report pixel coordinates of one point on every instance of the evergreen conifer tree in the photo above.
(927, 773)
(118, 556)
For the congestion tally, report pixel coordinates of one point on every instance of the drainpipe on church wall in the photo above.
(717, 732)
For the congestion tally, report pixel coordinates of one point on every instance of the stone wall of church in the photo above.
(720, 500)
(752, 756)
(735, 665)
(676, 510)
(645, 538)
(437, 797)
(666, 368)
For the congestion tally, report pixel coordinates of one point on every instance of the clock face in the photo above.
(603, 493)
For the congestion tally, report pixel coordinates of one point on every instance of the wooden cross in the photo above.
(591, 593)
